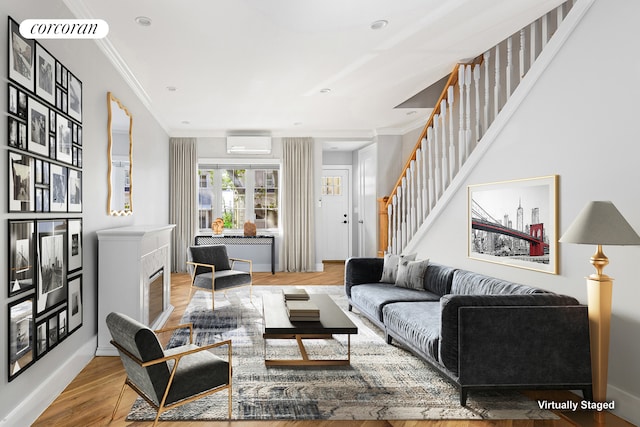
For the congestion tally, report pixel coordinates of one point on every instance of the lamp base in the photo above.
(593, 419)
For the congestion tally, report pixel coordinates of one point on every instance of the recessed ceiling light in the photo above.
(325, 90)
(143, 21)
(171, 88)
(378, 25)
(186, 122)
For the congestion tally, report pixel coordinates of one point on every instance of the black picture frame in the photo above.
(51, 254)
(37, 127)
(63, 325)
(63, 139)
(58, 188)
(21, 182)
(52, 331)
(42, 341)
(20, 335)
(22, 256)
(75, 304)
(45, 79)
(13, 137)
(74, 98)
(12, 105)
(21, 61)
(74, 188)
(74, 244)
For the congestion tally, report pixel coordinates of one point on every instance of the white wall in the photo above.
(579, 123)
(37, 386)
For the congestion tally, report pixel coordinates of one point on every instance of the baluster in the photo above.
(532, 39)
(461, 135)
(389, 227)
(476, 81)
(560, 14)
(496, 89)
(432, 190)
(400, 216)
(452, 147)
(509, 66)
(545, 30)
(419, 183)
(467, 127)
(523, 44)
(425, 179)
(445, 157)
(396, 215)
(487, 77)
(436, 155)
(410, 200)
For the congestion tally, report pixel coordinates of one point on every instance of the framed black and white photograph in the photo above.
(45, 173)
(58, 188)
(58, 73)
(14, 133)
(75, 98)
(51, 252)
(22, 105)
(46, 204)
(59, 98)
(52, 146)
(20, 336)
(52, 120)
(45, 67)
(38, 127)
(74, 245)
(74, 304)
(41, 338)
(63, 325)
(21, 183)
(39, 201)
(515, 222)
(75, 191)
(64, 78)
(22, 136)
(21, 57)
(21, 256)
(63, 139)
(13, 100)
(79, 135)
(52, 327)
(38, 171)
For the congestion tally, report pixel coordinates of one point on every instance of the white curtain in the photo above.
(183, 198)
(297, 252)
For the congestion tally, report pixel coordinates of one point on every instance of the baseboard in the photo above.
(46, 392)
(627, 405)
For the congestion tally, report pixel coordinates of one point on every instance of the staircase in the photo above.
(472, 99)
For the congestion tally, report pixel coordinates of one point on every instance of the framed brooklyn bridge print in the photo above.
(515, 223)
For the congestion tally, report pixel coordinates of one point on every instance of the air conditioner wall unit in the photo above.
(245, 144)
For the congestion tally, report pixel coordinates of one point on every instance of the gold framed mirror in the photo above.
(120, 158)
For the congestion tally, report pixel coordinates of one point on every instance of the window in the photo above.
(237, 194)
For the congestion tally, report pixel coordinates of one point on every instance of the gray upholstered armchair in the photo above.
(211, 268)
(167, 378)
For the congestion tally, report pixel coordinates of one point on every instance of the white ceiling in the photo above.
(260, 65)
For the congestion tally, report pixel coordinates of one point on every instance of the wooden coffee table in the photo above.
(278, 326)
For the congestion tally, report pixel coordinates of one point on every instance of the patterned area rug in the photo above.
(383, 381)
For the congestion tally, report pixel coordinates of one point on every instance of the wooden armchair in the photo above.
(167, 378)
(211, 268)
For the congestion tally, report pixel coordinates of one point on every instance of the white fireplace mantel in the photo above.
(128, 257)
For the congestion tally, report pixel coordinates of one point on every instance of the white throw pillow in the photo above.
(411, 274)
(390, 268)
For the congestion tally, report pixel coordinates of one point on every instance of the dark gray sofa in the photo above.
(480, 332)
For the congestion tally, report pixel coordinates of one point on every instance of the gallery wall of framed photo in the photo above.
(44, 283)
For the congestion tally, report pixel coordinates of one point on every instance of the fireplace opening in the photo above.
(156, 295)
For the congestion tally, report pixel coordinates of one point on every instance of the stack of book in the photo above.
(295, 294)
(302, 311)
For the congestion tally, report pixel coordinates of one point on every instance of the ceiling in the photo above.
(210, 67)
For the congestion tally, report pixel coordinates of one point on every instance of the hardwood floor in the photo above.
(90, 398)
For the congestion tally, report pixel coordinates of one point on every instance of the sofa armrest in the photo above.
(451, 304)
(534, 345)
(361, 270)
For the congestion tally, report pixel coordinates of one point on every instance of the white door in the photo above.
(367, 203)
(336, 213)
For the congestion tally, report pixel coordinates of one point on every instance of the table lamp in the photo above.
(600, 223)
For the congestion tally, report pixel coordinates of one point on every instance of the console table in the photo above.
(260, 240)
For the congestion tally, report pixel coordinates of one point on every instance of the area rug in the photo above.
(383, 381)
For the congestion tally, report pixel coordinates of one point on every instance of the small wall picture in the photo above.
(21, 336)
(74, 304)
(38, 128)
(41, 339)
(21, 57)
(75, 191)
(52, 330)
(63, 327)
(45, 67)
(58, 184)
(515, 223)
(21, 183)
(74, 246)
(52, 264)
(21, 256)
(75, 98)
(63, 139)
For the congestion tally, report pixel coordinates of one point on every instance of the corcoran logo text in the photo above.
(64, 28)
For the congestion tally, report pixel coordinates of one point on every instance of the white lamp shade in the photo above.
(600, 223)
